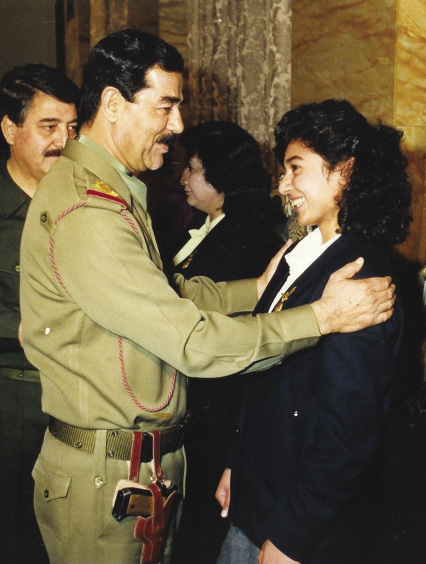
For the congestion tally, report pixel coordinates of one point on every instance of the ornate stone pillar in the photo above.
(87, 21)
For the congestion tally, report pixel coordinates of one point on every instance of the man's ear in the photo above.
(111, 101)
(8, 128)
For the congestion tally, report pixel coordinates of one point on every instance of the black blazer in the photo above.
(233, 250)
(311, 426)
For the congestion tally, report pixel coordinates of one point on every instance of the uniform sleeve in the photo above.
(101, 263)
(224, 297)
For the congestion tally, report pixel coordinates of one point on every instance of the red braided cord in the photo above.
(51, 256)
(69, 210)
(53, 263)
(131, 394)
(120, 339)
(130, 222)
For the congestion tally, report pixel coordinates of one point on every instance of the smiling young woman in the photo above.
(302, 467)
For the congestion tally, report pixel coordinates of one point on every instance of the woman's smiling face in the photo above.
(312, 189)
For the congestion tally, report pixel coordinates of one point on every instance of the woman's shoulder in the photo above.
(377, 257)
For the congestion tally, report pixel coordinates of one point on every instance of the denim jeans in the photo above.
(238, 549)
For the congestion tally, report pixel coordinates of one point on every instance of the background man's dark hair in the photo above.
(122, 60)
(19, 85)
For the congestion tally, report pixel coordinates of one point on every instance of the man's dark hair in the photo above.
(122, 60)
(19, 85)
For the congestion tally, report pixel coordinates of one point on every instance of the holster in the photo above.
(151, 530)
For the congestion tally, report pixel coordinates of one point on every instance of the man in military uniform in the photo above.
(108, 334)
(38, 114)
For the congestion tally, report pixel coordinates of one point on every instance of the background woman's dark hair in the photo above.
(376, 201)
(232, 165)
(122, 60)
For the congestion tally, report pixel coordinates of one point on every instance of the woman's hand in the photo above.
(223, 492)
(269, 554)
(264, 279)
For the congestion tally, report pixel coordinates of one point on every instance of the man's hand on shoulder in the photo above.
(269, 554)
(351, 305)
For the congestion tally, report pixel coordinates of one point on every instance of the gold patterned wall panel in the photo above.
(345, 49)
(372, 52)
(410, 98)
(410, 111)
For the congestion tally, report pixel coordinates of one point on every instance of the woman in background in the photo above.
(232, 236)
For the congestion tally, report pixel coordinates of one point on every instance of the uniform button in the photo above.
(99, 482)
(115, 433)
(110, 454)
(46, 493)
(20, 375)
(43, 218)
(17, 268)
(78, 444)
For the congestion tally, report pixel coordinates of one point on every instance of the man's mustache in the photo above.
(167, 139)
(53, 152)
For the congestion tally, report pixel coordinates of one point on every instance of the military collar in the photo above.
(98, 165)
(136, 186)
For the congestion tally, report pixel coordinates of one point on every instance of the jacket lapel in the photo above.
(275, 285)
(300, 285)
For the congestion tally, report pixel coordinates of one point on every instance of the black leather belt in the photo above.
(119, 441)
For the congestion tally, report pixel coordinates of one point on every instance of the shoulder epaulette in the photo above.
(101, 190)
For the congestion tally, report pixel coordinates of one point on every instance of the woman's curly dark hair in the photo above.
(376, 201)
(232, 165)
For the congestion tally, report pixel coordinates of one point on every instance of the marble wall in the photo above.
(373, 53)
(410, 109)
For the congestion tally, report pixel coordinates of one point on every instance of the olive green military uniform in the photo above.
(106, 332)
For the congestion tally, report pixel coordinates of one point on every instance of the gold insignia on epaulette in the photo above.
(104, 188)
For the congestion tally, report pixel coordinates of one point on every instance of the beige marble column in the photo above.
(107, 16)
(373, 53)
(410, 110)
(93, 19)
